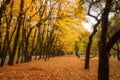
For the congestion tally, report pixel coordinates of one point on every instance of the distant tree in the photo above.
(76, 49)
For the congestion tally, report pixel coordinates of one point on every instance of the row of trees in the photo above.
(45, 28)
(39, 28)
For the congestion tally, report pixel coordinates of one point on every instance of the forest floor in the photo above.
(58, 68)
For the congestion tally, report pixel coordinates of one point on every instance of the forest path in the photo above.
(57, 68)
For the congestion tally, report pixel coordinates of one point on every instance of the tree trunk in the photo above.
(103, 73)
(19, 53)
(26, 46)
(2, 9)
(34, 46)
(12, 56)
(89, 45)
(103, 69)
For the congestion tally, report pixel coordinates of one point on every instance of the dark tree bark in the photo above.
(118, 50)
(103, 73)
(6, 44)
(26, 46)
(12, 56)
(89, 45)
(19, 53)
(105, 45)
(34, 46)
(96, 17)
(103, 70)
(2, 9)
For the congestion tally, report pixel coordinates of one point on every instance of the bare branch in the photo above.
(90, 7)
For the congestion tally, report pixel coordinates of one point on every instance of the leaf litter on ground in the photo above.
(58, 68)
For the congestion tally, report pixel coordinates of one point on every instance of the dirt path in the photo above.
(58, 68)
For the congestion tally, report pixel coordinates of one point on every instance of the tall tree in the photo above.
(105, 45)
(96, 17)
(20, 18)
(2, 9)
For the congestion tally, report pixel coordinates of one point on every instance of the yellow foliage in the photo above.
(67, 18)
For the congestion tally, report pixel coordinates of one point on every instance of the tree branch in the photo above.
(113, 40)
(89, 9)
